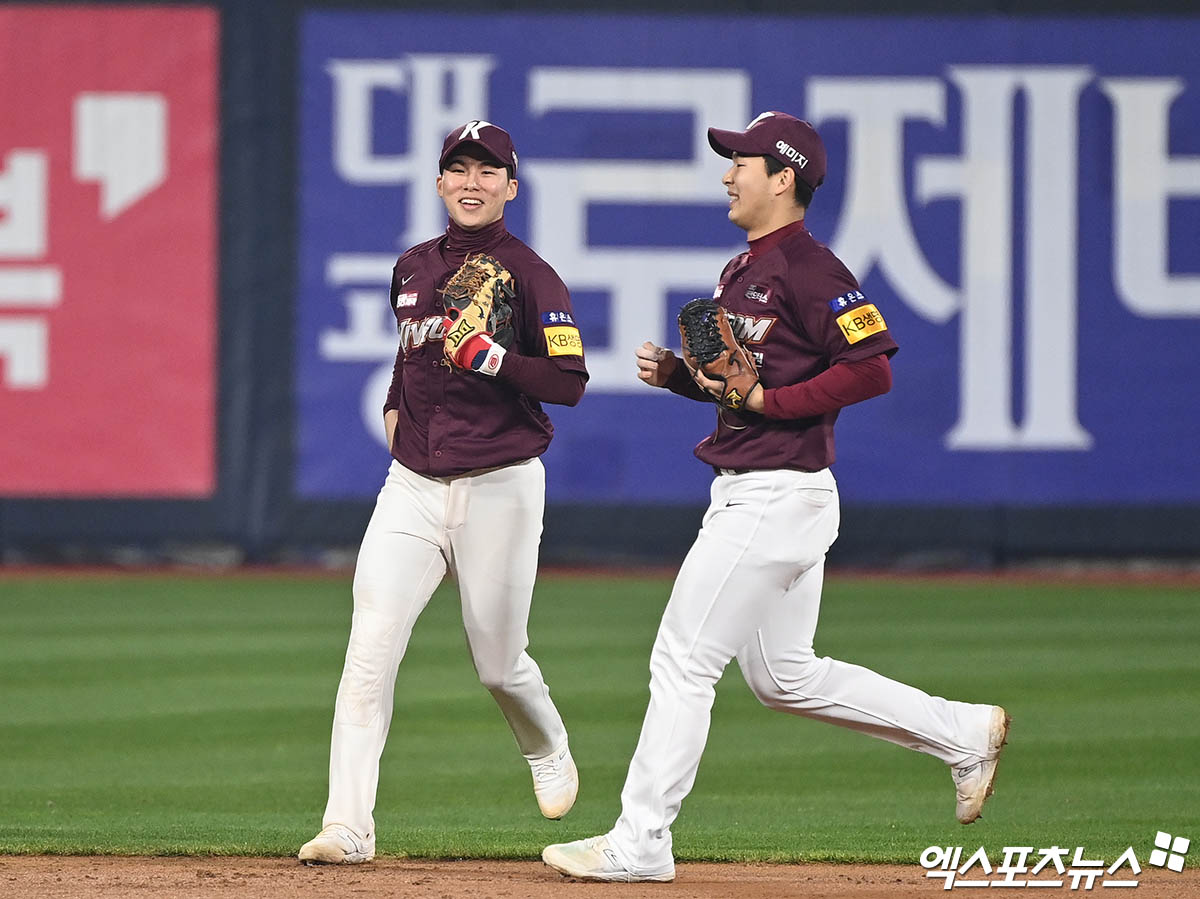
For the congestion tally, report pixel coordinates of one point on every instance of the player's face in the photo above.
(475, 190)
(751, 194)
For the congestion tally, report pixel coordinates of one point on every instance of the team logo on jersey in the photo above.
(751, 328)
(837, 304)
(415, 331)
(720, 289)
(758, 294)
(404, 300)
(557, 318)
(563, 341)
(858, 324)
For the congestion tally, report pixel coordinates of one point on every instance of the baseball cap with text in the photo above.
(492, 139)
(791, 140)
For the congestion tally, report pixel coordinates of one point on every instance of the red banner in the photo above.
(108, 251)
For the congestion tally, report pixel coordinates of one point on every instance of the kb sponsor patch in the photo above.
(563, 342)
(862, 322)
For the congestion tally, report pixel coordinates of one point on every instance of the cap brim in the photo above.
(726, 143)
(458, 146)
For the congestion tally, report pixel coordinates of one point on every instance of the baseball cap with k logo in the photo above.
(492, 139)
(792, 141)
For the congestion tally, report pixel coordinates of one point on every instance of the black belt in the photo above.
(730, 470)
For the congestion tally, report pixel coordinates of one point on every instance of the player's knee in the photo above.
(780, 684)
(497, 677)
(368, 670)
(673, 670)
(494, 681)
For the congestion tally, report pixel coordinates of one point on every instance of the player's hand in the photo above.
(754, 401)
(655, 364)
(390, 419)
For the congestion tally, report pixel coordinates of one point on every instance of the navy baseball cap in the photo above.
(791, 140)
(492, 139)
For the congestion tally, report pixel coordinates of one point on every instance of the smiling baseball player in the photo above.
(487, 335)
(788, 339)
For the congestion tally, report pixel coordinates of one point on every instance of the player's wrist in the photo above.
(756, 400)
(484, 355)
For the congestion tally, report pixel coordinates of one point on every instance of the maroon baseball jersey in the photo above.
(798, 309)
(454, 421)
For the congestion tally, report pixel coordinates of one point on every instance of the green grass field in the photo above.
(172, 714)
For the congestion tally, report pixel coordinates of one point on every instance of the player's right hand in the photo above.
(390, 419)
(655, 364)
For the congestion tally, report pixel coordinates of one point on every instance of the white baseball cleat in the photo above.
(974, 781)
(555, 782)
(594, 859)
(337, 844)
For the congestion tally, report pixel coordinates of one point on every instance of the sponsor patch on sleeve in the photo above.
(837, 304)
(563, 341)
(861, 322)
(557, 318)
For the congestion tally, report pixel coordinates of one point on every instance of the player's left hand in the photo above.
(717, 360)
(476, 300)
(716, 389)
(482, 354)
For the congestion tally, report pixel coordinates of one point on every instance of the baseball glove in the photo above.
(710, 347)
(478, 314)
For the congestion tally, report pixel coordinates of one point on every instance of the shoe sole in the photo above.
(616, 878)
(314, 858)
(991, 785)
(317, 862)
(555, 814)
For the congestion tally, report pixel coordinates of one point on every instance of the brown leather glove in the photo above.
(710, 347)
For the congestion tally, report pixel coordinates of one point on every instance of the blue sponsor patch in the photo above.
(557, 318)
(846, 300)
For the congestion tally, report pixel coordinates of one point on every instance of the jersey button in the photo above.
(437, 408)
(437, 453)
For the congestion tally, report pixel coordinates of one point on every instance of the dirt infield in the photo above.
(109, 877)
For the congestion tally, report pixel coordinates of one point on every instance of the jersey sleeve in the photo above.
(837, 313)
(548, 319)
(393, 394)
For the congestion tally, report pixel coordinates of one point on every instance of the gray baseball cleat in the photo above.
(337, 844)
(555, 782)
(594, 859)
(974, 781)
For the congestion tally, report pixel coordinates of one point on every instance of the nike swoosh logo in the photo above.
(404, 281)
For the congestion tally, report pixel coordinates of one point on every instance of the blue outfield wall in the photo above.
(1019, 196)
(1021, 199)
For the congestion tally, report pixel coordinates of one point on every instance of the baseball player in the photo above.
(810, 343)
(487, 335)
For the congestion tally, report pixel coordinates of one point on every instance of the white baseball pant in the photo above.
(485, 529)
(751, 587)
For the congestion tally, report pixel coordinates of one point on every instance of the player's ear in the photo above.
(787, 181)
(512, 189)
(439, 186)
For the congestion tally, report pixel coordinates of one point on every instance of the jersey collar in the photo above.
(459, 240)
(768, 242)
